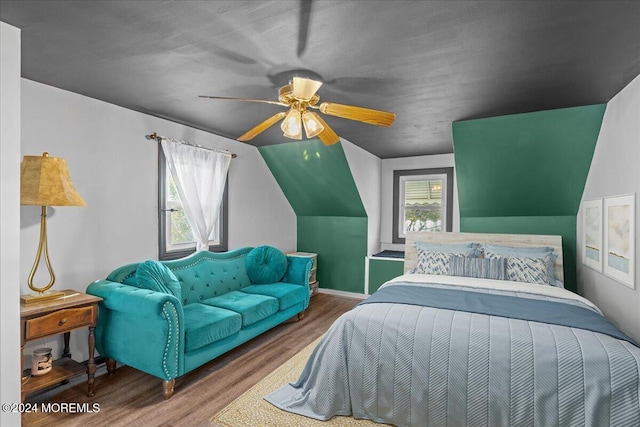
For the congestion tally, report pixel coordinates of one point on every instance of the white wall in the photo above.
(407, 163)
(9, 220)
(114, 168)
(614, 171)
(366, 171)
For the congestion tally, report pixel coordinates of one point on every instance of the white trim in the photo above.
(345, 294)
(366, 275)
(10, 145)
(384, 258)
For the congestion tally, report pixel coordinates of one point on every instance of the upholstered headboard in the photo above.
(520, 240)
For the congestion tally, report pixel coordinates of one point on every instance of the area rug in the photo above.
(251, 410)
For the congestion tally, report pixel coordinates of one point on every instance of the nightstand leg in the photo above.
(24, 378)
(91, 366)
(66, 352)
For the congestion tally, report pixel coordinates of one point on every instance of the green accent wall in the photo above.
(331, 218)
(525, 173)
(341, 245)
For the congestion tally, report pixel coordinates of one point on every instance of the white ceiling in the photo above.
(430, 62)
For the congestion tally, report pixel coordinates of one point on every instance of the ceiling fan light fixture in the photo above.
(299, 95)
(312, 125)
(292, 125)
(304, 89)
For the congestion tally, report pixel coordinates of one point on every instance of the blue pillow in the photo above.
(516, 250)
(156, 276)
(265, 264)
(447, 248)
(481, 268)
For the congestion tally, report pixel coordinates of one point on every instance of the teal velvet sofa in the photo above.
(216, 305)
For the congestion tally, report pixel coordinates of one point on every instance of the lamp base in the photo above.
(40, 296)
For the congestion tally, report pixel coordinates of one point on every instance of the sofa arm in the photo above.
(140, 328)
(298, 269)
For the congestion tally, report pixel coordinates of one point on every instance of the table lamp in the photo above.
(45, 181)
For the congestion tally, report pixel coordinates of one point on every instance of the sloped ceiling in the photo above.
(430, 62)
(316, 179)
(525, 174)
(525, 164)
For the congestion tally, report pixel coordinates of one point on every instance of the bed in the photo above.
(446, 349)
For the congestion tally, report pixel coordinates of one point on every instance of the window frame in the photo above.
(163, 253)
(448, 197)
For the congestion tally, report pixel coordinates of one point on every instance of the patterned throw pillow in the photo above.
(497, 251)
(481, 268)
(432, 262)
(529, 270)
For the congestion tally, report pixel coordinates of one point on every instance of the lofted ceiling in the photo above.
(430, 62)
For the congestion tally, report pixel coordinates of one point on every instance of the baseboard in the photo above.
(345, 294)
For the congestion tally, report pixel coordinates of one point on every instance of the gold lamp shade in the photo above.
(45, 181)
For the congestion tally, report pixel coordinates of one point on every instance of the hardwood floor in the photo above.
(131, 397)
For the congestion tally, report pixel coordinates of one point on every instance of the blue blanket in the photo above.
(513, 307)
(412, 365)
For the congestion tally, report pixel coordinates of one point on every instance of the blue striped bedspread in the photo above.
(414, 365)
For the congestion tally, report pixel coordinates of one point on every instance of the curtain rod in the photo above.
(154, 136)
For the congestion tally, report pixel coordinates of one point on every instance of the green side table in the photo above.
(378, 270)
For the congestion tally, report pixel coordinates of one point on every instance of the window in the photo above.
(174, 232)
(422, 201)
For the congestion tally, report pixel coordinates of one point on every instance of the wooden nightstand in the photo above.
(59, 316)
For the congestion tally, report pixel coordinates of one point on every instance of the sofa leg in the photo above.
(111, 366)
(167, 388)
(300, 316)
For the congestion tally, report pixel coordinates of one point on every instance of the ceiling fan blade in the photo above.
(249, 135)
(263, 101)
(303, 25)
(373, 117)
(305, 88)
(327, 136)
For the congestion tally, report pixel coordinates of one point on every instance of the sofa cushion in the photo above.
(287, 294)
(205, 324)
(252, 308)
(155, 276)
(265, 264)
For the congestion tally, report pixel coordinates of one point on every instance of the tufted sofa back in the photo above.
(202, 275)
(205, 275)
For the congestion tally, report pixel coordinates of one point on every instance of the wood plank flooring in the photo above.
(131, 397)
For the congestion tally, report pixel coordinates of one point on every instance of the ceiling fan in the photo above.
(300, 96)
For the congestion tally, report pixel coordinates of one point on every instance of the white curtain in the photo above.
(199, 175)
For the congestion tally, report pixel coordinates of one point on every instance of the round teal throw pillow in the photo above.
(265, 264)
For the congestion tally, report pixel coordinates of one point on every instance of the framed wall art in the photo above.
(619, 239)
(592, 234)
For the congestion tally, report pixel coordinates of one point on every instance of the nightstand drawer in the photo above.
(59, 322)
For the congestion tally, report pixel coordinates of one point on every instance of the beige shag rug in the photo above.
(251, 410)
